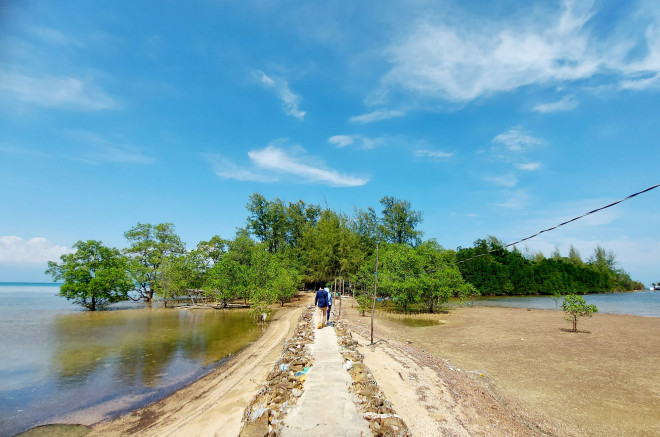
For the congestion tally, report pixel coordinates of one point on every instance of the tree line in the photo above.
(499, 271)
(287, 246)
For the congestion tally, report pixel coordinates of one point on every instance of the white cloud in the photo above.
(376, 116)
(529, 166)
(342, 140)
(433, 154)
(289, 99)
(516, 140)
(273, 163)
(476, 57)
(565, 104)
(277, 160)
(55, 92)
(15, 250)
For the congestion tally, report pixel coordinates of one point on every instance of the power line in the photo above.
(560, 224)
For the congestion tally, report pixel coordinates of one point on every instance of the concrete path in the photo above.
(325, 407)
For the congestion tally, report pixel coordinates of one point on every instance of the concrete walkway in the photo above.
(325, 407)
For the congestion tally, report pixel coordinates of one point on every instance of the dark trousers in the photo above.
(329, 308)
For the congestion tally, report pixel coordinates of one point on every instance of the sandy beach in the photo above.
(472, 371)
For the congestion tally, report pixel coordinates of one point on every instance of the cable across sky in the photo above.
(563, 223)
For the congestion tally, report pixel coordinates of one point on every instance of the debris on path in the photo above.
(284, 384)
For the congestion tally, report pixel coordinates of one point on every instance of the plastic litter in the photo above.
(302, 372)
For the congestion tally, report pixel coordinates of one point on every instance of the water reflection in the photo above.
(56, 361)
(139, 347)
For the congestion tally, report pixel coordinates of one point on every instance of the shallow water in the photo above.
(638, 303)
(57, 359)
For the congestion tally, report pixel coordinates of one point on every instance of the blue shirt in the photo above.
(321, 299)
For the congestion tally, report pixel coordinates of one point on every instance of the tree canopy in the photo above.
(94, 275)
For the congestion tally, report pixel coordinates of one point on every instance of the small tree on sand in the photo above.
(574, 307)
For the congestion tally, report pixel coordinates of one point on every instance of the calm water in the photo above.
(638, 303)
(57, 359)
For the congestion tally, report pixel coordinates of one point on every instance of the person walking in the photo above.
(329, 302)
(321, 302)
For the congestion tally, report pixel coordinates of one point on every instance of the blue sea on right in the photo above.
(636, 303)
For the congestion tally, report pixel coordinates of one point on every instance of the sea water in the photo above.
(637, 303)
(58, 359)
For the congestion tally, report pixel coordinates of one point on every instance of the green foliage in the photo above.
(574, 307)
(180, 273)
(94, 276)
(399, 221)
(228, 279)
(331, 250)
(419, 275)
(149, 246)
(504, 272)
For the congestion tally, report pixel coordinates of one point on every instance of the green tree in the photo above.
(574, 256)
(227, 280)
(94, 275)
(331, 249)
(574, 307)
(399, 221)
(366, 224)
(149, 246)
(213, 249)
(180, 273)
(268, 221)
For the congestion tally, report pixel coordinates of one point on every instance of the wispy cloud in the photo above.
(516, 140)
(347, 140)
(378, 115)
(20, 151)
(518, 199)
(100, 149)
(54, 37)
(342, 140)
(478, 58)
(507, 180)
(273, 163)
(55, 92)
(529, 166)
(16, 250)
(276, 159)
(433, 154)
(227, 169)
(289, 99)
(565, 104)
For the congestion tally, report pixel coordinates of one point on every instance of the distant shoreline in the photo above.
(19, 283)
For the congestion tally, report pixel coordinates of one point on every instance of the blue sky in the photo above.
(492, 118)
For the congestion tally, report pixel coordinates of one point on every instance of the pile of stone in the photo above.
(371, 401)
(284, 384)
